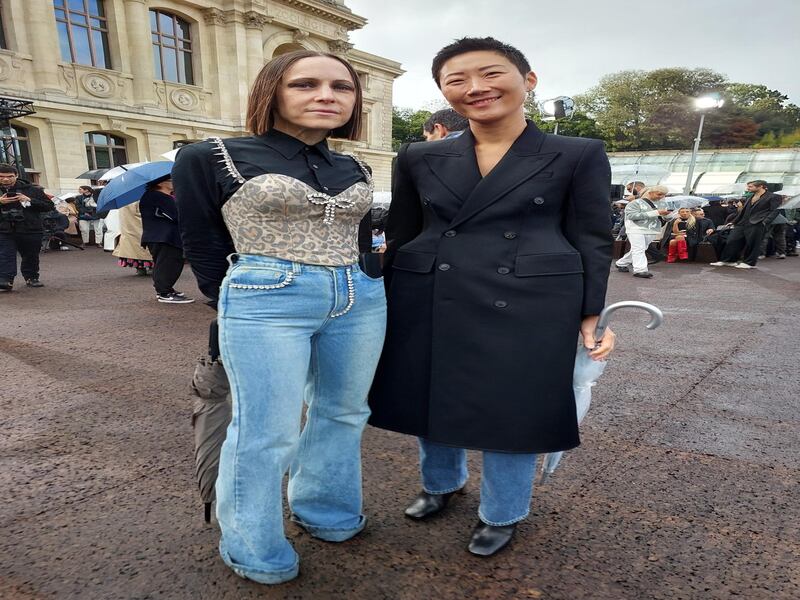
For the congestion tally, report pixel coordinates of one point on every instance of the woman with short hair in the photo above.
(497, 259)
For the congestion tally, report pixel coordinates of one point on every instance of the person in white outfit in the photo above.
(642, 225)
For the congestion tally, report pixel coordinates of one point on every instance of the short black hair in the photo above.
(7, 168)
(447, 117)
(759, 183)
(470, 44)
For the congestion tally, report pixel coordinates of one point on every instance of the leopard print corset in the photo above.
(277, 215)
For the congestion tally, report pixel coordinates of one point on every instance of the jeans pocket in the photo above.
(246, 277)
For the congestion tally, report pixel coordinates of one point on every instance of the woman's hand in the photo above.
(588, 325)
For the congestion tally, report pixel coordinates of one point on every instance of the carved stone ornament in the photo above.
(5, 70)
(256, 20)
(340, 46)
(184, 99)
(299, 36)
(98, 85)
(214, 16)
(116, 125)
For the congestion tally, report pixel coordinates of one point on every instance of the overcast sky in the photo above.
(572, 44)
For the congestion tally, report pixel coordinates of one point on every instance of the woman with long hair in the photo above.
(498, 257)
(299, 321)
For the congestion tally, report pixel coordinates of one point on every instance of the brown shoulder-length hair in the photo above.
(263, 100)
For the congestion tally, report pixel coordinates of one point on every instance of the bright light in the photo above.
(706, 102)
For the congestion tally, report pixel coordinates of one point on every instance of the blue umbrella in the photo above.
(588, 371)
(130, 186)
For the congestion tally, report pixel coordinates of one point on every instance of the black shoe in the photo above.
(623, 269)
(426, 505)
(644, 275)
(6, 286)
(487, 540)
(33, 283)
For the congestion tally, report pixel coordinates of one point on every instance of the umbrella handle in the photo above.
(656, 316)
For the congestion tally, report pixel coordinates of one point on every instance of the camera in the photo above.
(7, 212)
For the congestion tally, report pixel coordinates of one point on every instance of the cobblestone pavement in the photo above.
(686, 485)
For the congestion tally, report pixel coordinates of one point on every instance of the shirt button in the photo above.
(504, 270)
(450, 233)
(509, 235)
(500, 303)
(538, 200)
(315, 166)
(444, 267)
(324, 188)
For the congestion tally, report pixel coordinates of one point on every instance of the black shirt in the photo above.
(203, 184)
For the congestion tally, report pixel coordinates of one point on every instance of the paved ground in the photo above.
(686, 485)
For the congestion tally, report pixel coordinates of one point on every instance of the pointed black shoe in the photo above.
(487, 540)
(426, 505)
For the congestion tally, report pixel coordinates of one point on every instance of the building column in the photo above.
(65, 154)
(137, 19)
(40, 24)
(255, 43)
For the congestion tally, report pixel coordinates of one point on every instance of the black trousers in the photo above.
(744, 241)
(167, 266)
(28, 246)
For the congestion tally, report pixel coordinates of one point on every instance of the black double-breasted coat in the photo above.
(487, 280)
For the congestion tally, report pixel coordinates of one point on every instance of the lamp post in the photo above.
(555, 109)
(702, 104)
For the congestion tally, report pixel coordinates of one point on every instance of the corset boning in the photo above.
(277, 215)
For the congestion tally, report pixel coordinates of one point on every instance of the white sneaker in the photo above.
(719, 263)
(744, 266)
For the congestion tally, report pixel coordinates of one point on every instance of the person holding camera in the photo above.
(21, 207)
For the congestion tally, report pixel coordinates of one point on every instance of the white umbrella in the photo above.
(647, 174)
(117, 171)
(171, 154)
(676, 202)
(793, 202)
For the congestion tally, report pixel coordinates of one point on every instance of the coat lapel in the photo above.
(453, 163)
(522, 161)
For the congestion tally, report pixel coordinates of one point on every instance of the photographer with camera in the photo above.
(21, 207)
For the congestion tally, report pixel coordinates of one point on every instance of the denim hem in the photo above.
(331, 534)
(447, 491)
(503, 523)
(261, 575)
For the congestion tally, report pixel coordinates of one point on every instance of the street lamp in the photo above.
(555, 109)
(702, 104)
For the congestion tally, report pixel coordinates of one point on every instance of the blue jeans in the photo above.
(292, 333)
(506, 480)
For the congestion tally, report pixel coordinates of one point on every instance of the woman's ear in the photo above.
(530, 81)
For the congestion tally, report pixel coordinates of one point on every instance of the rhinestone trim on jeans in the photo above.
(351, 295)
(274, 286)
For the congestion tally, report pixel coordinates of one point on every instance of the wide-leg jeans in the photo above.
(289, 333)
(506, 479)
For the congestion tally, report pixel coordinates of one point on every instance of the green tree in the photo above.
(407, 126)
(769, 109)
(648, 110)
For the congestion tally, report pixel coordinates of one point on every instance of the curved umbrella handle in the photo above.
(656, 316)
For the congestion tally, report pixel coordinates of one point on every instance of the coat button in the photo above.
(500, 303)
(444, 267)
(450, 233)
(538, 200)
(504, 270)
(509, 235)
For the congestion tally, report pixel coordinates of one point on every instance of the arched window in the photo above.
(104, 150)
(172, 47)
(15, 146)
(83, 32)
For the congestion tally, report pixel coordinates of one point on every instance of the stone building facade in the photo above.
(127, 80)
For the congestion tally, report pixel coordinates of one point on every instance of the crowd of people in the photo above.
(732, 231)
